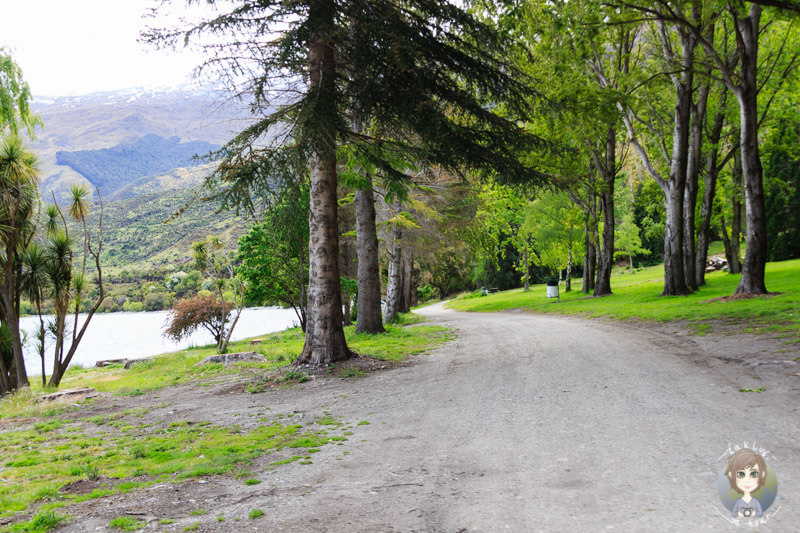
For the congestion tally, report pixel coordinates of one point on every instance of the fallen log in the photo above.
(78, 393)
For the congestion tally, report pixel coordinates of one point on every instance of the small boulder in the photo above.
(132, 362)
(230, 358)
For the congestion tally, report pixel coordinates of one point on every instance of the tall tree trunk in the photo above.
(735, 263)
(325, 342)
(673, 187)
(675, 281)
(526, 286)
(588, 206)
(393, 283)
(368, 319)
(726, 242)
(12, 319)
(755, 255)
(591, 242)
(707, 204)
(5, 384)
(674, 278)
(698, 117)
(568, 285)
(346, 258)
(589, 257)
(608, 173)
(42, 350)
(408, 272)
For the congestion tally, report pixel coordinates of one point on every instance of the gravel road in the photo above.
(526, 423)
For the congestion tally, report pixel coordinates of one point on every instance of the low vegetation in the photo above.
(54, 455)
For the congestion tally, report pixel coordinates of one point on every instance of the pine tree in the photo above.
(425, 77)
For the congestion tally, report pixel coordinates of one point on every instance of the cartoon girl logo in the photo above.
(752, 485)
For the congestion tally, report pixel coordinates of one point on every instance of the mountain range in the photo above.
(138, 147)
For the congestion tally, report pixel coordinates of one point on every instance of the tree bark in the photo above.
(675, 280)
(726, 242)
(707, 204)
(755, 255)
(734, 261)
(325, 342)
(12, 318)
(393, 283)
(588, 266)
(698, 117)
(368, 278)
(526, 286)
(608, 173)
(591, 241)
(408, 273)
(568, 284)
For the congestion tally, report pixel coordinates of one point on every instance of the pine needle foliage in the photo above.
(416, 81)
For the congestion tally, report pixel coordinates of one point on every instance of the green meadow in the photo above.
(637, 295)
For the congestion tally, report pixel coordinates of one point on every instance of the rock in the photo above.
(78, 393)
(230, 358)
(716, 263)
(132, 362)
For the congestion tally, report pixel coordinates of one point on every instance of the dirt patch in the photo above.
(85, 486)
(355, 367)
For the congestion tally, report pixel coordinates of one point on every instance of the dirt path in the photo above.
(524, 423)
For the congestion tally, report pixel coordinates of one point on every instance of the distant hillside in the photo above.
(127, 142)
(112, 168)
(139, 231)
(107, 119)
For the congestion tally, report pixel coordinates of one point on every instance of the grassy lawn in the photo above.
(278, 349)
(46, 448)
(638, 295)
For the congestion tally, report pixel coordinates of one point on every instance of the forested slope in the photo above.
(112, 168)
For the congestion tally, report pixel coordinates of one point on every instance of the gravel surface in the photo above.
(524, 423)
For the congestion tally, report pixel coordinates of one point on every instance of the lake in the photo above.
(135, 335)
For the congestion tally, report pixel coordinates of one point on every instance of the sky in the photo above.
(67, 47)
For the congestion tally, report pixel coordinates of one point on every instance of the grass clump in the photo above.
(126, 523)
(255, 513)
(43, 521)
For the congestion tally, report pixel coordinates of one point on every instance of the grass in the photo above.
(35, 464)
(45, 447)
(279, 349)
(638, 295)
(43, 521)
(126, 523)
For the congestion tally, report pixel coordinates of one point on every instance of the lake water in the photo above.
(135, 335)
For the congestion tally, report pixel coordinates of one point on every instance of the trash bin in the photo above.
(552, 289)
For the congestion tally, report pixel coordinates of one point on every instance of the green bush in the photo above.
(425, 293)
(133, 306)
